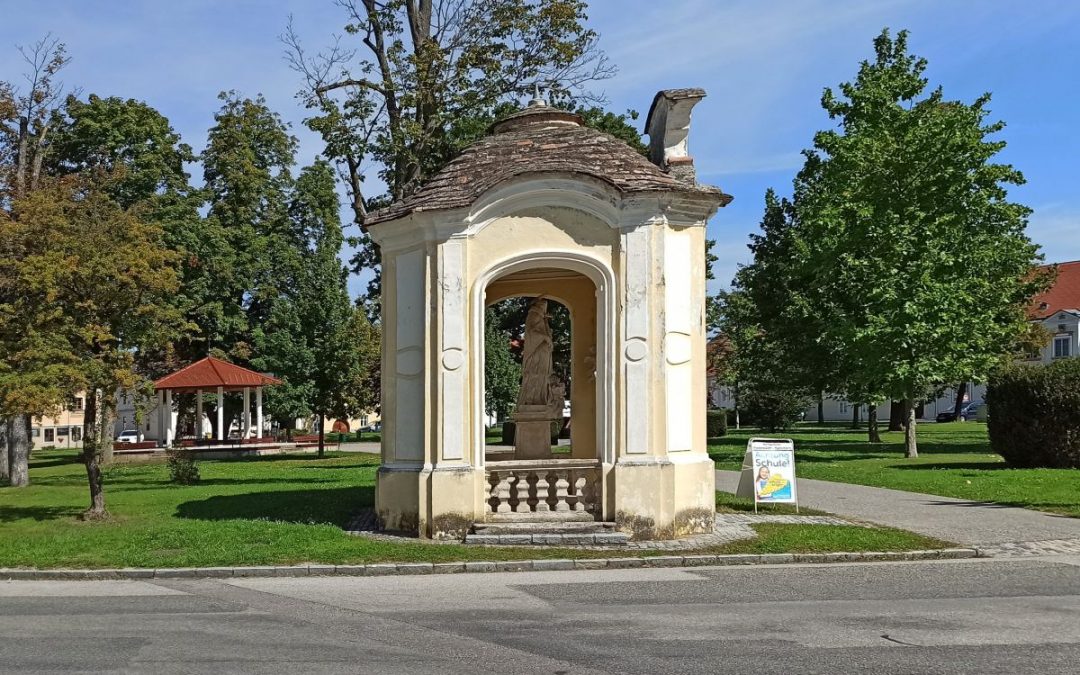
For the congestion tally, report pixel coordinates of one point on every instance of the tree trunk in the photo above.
(19, 451)
(322, 435)
(91, 456)
(5, 451)
(855, 417)
(108, 422)
(911, 448)
(736, 405)
(896, 416)
(871, 423)
(821, 408)
(961, 391)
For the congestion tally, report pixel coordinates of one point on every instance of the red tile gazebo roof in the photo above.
(211, 373)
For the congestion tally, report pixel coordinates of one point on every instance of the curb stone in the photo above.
(388, 569)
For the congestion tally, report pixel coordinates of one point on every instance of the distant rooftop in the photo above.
(1064, 294)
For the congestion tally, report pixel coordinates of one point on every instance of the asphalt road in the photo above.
(996, 616)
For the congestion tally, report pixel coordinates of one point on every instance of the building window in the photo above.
(1061, 346)
(61, 431)
(77, 403)
(35, 433)
(49, 435)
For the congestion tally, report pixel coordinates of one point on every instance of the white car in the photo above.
(128, 436)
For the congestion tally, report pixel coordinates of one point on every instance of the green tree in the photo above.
(107, 276)
(247, 168)
(26, 124)
(425, 80)
(313, 338)
(502, 371)
(915, 255)
(136, 144)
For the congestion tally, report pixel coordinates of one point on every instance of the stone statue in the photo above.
(556, 397)
(536, 357)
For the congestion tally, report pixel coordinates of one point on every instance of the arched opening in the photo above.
(504, 347)
(566, 482)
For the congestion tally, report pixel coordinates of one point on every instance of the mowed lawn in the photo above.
(278, 510)
(954, 461)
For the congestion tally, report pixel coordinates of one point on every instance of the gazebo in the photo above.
(208, 375)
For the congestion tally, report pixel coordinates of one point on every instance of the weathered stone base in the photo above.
(532, 432)
(439, 503)
(665, 498)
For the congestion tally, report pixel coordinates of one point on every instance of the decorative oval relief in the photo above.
(636, 349)
(452, 359)
(678, 348)
(410, 361)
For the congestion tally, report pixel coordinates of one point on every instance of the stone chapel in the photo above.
(546, 208)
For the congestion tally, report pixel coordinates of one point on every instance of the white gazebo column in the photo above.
(221, 413)
(198, 414)
(246, 417)
(161, 419)
(169, 431)
(258, 413)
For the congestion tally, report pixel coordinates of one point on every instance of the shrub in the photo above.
(773, 408)
(716, 423)
(183, 470)
(1035, 414)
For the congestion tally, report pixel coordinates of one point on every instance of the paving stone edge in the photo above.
(544, 564)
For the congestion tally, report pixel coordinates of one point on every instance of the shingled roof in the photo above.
(538, 139)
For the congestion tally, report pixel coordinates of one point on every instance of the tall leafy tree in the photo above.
(919, 261)
(247, 168)
(776, 351)
(26, 123)
(426, 77)
(106, 276)
(312, 337)
(136, 145)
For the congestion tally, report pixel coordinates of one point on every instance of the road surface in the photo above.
(1011, 616)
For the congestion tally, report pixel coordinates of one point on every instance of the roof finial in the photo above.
(536, 101)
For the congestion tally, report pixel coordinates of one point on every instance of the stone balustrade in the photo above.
(555, 489)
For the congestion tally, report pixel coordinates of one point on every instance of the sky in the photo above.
(763, 63)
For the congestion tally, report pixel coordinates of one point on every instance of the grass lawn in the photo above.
(276, 510)
(954, 461)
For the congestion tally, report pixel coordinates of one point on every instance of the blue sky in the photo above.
(764, 65)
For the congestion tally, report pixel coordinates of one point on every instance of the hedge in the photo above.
(716, 423)
(1035, 414)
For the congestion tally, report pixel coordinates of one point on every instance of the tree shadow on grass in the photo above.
(287, 457)
(10, 514)
(334, 506)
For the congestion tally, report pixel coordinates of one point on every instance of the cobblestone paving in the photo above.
(729, 527)
(1029, 548)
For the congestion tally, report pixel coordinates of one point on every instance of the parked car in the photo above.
(128, 436)
(967, 413)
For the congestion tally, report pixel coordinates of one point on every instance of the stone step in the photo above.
(547, 534)
(544, 527)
